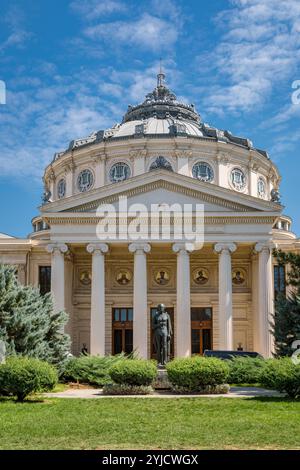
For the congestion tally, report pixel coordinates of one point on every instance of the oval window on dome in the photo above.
(203, 171)
(61, 188)
(261, 187)
(85, 180)
(119, 172)
(238, 179)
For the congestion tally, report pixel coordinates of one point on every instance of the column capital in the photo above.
(139, 247)
(264, 246)
(57, 247)
(227, 247)
(182, 247)
(99, 248)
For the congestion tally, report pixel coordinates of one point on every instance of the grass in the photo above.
(150, 423)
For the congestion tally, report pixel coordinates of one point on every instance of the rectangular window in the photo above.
(279, 280)
(45, 279)
(201, 314)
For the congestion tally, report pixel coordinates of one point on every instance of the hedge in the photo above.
(91, 370)
(20, 376)
(245, 370)
(136, 372)
(282, 375)
(197, 373)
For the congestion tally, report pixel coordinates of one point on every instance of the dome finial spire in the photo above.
(160, 76)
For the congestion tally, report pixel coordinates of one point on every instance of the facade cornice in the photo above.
(93, 219)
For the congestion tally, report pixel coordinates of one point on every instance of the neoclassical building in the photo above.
(219, 296)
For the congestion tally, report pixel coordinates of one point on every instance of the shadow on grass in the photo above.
(274, 399)
(34, 399)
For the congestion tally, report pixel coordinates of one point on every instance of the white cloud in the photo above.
(259, 48)
(17, 35)
(93, 9)
(148, 32)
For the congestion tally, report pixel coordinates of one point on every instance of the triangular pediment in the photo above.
(163, 187)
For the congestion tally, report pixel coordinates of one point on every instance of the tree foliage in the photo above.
(28, 325)
(286, 321)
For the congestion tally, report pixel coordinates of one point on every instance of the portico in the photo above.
(239, 314)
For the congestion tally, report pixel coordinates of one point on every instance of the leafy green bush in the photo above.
(133, 372)
(195, 373)
(20, 376)
(92, 370)
(245, 370)
(282, 375)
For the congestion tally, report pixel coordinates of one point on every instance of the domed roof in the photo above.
(161, 115)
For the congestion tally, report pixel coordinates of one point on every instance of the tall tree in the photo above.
(28, 325)
(286, 322)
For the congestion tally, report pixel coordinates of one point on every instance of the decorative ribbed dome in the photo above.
(161, 103)
(161, 115)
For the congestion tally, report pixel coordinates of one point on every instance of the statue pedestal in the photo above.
(162, 381)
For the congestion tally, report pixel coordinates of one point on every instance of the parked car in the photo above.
(230, 354)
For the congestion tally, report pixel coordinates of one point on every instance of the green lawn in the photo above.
(137, 423)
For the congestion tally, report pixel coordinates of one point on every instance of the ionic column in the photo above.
(58, 251)
(183, 301)
(97, 326)
(264, 337)
(225, 295)
(140, 305)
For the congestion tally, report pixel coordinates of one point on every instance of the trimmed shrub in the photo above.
(124, 389)
(245, 370)
(195, 373)
(92, 370)
(20, 376)
(282, 375)
(133, 372)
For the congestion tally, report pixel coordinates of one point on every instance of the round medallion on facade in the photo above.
(119, 172)
(261, 187)
(123, 277)
(61, 188)
(200, 276)
(238, 179)
(203, 171)
(238, 277)
(85, 278)
(85, 180)
(162, 277)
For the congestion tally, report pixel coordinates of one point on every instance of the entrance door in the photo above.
(122, 330)
(170, 311)
(201, 321)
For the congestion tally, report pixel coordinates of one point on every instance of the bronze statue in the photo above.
(162, 334)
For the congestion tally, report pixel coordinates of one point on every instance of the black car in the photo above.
(231, 354)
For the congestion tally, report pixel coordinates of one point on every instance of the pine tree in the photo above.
(286, 322)
(28, 325)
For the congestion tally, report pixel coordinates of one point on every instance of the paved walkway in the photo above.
(235, 392)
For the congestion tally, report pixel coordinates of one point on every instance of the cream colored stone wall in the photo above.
(78, 295)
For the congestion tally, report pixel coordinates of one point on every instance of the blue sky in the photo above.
(72, 67)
